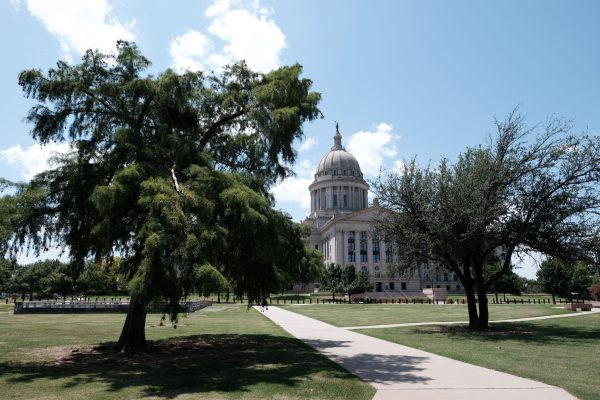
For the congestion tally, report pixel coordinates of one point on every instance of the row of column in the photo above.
(336, 250)
(322, 199)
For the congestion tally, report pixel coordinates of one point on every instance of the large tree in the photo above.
(167, 172)
(528, 189)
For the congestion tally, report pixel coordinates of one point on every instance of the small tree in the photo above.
(210, 280)
(581, 280)
(6, 268)
(554, 277)
(58, 282)
(95, 279)
(312, 267)
(333, 279)
(595, 291)
(359, 284)
(509, 283)
(520, 192)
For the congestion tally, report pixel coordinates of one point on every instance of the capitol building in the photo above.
(342, 228)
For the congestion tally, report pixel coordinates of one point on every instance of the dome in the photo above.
(338, 161)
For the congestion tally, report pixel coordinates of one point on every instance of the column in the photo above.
(345, 247)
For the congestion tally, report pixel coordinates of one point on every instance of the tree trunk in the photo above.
(553, 299)
(484, 315)
(471, 305)
(133, 335)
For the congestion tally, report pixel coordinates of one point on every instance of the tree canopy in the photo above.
(345, 280)
(527, 189)
(167, 172)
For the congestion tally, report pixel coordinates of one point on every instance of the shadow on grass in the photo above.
(523, 331)
(192, 364)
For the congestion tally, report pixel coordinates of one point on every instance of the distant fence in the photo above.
(414, 300)
(68, 307)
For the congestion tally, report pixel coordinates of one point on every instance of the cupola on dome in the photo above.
(338, 161)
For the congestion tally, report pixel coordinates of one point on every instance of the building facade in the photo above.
(342, 228)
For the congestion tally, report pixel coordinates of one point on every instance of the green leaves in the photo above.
(167, 172)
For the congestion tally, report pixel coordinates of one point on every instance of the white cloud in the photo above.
(370, 148)
(247, 32)
(399, 166)
(34, 159)
(188, 51)
(295, 189)
(217, 8)
(307, 144)
(81, 24)
(16, 4)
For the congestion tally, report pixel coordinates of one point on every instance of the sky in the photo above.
(404, 79)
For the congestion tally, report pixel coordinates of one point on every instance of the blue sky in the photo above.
(403, 78)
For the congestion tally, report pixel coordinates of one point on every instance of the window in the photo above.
(351, 257)
(457, 287)
(445, 277)
(403, 285)
(363, 246)
(352, 173)
(335, 200)
(335, 172)
(455, 277)
(316, 247)
(344, 172)
(392, 287)
(376, 251)
(448, 287)
(389, 254)
(345, 201)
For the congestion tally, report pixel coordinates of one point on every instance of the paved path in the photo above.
(400, 372)
(575, 314)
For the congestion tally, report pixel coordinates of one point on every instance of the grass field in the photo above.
(562, 352)
(221, 352)
(379, 314)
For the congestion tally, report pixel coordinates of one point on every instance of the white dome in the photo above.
(338, 161)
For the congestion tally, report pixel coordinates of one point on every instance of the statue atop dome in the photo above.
(337, 139)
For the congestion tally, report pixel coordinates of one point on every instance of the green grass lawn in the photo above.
(562, 352)
(379, 314)
(221, 352)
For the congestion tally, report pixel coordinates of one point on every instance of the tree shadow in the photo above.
(373, 367)
(528, 332)
(191, 364)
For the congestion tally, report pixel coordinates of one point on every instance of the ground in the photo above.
(561, 351)
(224, 351)
(378, 314)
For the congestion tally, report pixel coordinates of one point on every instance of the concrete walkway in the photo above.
(400, 372)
